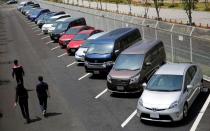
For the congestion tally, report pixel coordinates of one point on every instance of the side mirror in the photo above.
(189, 86)
(116, 51)
(144, 85)
(148, 64)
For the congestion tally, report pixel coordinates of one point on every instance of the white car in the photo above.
(80, 53)
(170, 92)
(52, 20)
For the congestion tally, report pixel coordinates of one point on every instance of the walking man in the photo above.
(18, 72)
(42, 93)
(22, 98)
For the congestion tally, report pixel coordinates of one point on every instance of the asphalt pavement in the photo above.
(79, 101)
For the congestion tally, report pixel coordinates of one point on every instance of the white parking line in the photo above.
(128, 119)
(33, 25)
(71, 64)
(45, 37)
(62, 55)
(39, 33)
(200, 115)
(83, 76)
(55, 48)
(30, 23)
(100, 94)
(35, 28)
(49, 42)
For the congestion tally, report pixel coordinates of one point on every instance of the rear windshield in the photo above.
(72, 31)
(81, 37)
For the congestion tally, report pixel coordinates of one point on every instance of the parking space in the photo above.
(86, 94)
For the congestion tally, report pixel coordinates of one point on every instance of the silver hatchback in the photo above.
(170, 92)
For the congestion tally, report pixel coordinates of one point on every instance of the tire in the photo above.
(185, 111)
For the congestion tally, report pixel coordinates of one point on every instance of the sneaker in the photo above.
(44, 112)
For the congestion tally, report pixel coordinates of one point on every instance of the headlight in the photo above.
(134, 79)
(174, 105)
(109, 79)
(140, 102)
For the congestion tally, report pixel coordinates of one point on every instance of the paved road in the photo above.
(72, 105)
(173, 14)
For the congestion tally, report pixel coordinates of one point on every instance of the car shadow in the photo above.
(127, 95)
(50, 114)
(192, 113)
(98, 76)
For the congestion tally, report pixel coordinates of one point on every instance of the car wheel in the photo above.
(185, 111)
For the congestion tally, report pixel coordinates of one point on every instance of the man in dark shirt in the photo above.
(42, 93)
(17, 72)
(22, 98)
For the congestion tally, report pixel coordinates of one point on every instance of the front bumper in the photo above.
(79, 58)
(97, 67)
(54, 37)
(161, 115)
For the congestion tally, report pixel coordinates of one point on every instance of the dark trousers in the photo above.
(24, 108)
(19, 79)
(43, 103)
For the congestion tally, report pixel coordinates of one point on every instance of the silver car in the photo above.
(170, 92)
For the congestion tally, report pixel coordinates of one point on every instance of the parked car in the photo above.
(41, 17)
(170, 93)
(63, 26)
(80, 39)
(136, 65)
(12, 2)
(28, 7)
(101, 55)
(52, 20)
(80, 53)
(23, 3)
(45, 18)
(71, 33)
(36, 13)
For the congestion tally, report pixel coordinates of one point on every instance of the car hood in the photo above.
(80, 51)
(99, 57)
(67, 37)
(123, 74)
(75, 44)
(159, 100)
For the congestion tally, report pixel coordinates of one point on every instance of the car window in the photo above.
(188, 78)
(192, 71)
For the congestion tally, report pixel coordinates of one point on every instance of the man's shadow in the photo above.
(35, 119)
(50, 114)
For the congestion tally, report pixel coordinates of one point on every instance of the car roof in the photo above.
(141, 47)
(86, 31)
(173, 69)
(95, 36)
(57, 16)
(63, 19)
(115, 34)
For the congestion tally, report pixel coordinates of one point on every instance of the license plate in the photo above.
(96, 72)
(154, 115)
(120, 88)
(73, 50)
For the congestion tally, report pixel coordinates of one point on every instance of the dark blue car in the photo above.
(104, 50)
(36, 13)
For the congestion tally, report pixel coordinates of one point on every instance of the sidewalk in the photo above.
(173, 14)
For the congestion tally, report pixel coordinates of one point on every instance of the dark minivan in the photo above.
(63, 26)
(101, 55)
(136, 65)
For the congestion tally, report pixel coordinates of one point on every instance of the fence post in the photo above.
(143, 28)
(191, 57)
(156, 29)
(172, 44)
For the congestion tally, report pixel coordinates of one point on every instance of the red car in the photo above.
(79, 40)
(71, 33)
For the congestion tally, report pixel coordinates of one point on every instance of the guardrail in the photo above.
(182, 43)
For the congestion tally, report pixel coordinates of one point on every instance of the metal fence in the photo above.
(182, 43)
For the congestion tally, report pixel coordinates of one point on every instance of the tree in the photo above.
(129, 3)
(158, 4)
(146, 8)
(188, 9)
(206, 4)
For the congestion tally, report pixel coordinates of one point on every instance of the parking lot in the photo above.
(79, 100)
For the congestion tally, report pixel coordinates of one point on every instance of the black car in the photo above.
(63, 26)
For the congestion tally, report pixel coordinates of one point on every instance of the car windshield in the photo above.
(50, 20)
(72, 31)
(165, 83)
(100, 48)
(62, 26)
(87, 44)
(81, 37)
(129, 62)
(35, 12)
